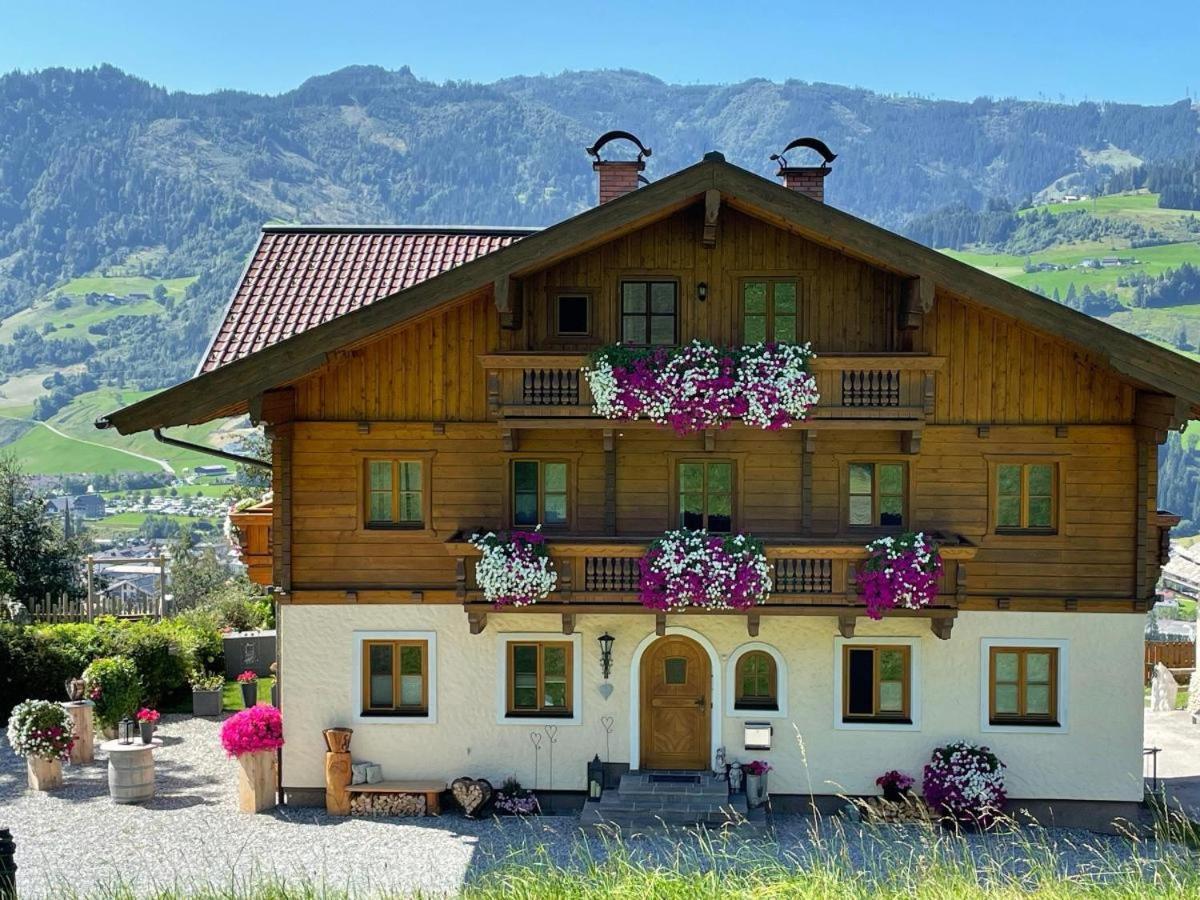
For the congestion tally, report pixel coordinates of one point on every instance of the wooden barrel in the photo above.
(131, 775)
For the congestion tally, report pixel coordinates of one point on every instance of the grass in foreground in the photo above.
(824, 859)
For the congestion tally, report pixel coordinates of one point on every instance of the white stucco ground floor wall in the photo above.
(1095, 755)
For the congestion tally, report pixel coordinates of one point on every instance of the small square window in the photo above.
(573, 316)
(675, 670)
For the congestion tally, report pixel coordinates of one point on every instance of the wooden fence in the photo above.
(75, 609)
(1172, 654)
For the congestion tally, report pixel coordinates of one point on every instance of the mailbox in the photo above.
(757, 735)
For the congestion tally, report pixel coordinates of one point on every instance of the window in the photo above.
(648, 312)
(539, 493)
(1025, 496)
(395, 495)
(573, 315)
(706, 495)
(1023, 686)
(395, 677)
(769, 311)
(539, 678)
(757, 682)
(876, 494)
(876, 683)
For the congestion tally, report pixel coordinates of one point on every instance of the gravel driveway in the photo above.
(192, 834)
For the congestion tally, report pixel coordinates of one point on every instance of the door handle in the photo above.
(700, 702)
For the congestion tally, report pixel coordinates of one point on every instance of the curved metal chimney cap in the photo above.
(594, 150)
(811, 143)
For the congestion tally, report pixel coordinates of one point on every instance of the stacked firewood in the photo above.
(885, 812)
(387, 805)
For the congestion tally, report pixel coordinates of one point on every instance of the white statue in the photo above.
(1163, 689)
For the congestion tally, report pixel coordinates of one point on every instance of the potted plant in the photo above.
(248, 681)
(689, 567)
(206, 693)
(40, 731)
(147, 720)
(514, 800)
(252, 736)
(965, 783)
(756, 781)
(901, 571)
(113, 685)
(514, 568)
(896, 786)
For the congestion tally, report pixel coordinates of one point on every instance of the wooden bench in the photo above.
(431, 789)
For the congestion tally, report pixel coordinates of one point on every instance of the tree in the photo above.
(252, 481)
(41, 559)
(195, 573)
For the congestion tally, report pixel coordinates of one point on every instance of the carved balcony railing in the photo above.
(252, 534)
(898, 387)
(601, 573)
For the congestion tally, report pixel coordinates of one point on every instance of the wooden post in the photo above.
(44, 774)
(83, 727)
(337, 783)
(162, 585)
(256, 781)
(91, 588)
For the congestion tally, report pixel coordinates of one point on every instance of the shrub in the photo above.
(257, 728)
(156, 651)
(238, 606)
(112, 682)
(40, 728)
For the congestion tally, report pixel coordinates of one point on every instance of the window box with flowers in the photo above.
(692, 568)
(900, 571)
(701, 386)
(514, 569)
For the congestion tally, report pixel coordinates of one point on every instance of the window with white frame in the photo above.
(396, 677)
(538, 678)
(877, 683)
(1024, 684)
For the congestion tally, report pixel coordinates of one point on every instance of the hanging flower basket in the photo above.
(515, 569)
(701, 386)
(900, 571)
(713, 571)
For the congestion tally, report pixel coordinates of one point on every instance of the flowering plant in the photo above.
(757, 767)
(40, 728)
(257, 728)
(248, 677)
(113, 683)
(966, 782)
(900, 571)
(689, 567)
(145, 714)
(202, 681)
(516, 800)
(701, 386)
(898, 781)
(515, 569)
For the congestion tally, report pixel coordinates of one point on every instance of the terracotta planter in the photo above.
(256, 781)
(44, 774)
(338, 739)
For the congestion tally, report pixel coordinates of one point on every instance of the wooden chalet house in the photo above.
(420, 385)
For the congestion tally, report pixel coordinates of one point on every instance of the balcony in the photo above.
(252, 536)
(812, 576)
(534, 389)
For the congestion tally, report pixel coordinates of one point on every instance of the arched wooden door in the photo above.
(676, 703)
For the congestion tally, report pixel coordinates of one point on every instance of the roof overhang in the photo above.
(232, 389)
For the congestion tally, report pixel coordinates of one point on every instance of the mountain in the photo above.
(127, 211)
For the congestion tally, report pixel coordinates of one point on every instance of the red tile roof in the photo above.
(299, 278)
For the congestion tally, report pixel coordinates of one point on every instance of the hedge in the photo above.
(36, 660)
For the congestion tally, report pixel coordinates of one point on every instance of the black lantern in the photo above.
(595, 778)
(125, 731)
(606, 642)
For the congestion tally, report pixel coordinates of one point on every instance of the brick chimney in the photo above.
(808, 180)
(617, 177)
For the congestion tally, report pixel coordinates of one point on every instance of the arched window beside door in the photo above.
(757, 681)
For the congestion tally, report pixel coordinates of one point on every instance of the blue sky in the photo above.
(1053, 49)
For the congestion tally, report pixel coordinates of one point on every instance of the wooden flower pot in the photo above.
(338, 739)
(44, 774)
(256, 781)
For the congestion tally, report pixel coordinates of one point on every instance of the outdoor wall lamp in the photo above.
(606, 645)
(702, 291)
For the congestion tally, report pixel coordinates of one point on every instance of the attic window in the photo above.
(573, 315)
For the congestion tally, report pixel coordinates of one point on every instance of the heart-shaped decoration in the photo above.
(607, 722)
(552, 733)
(605, 690)
(472, 794)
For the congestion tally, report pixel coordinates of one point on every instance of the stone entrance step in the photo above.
(646, 800)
